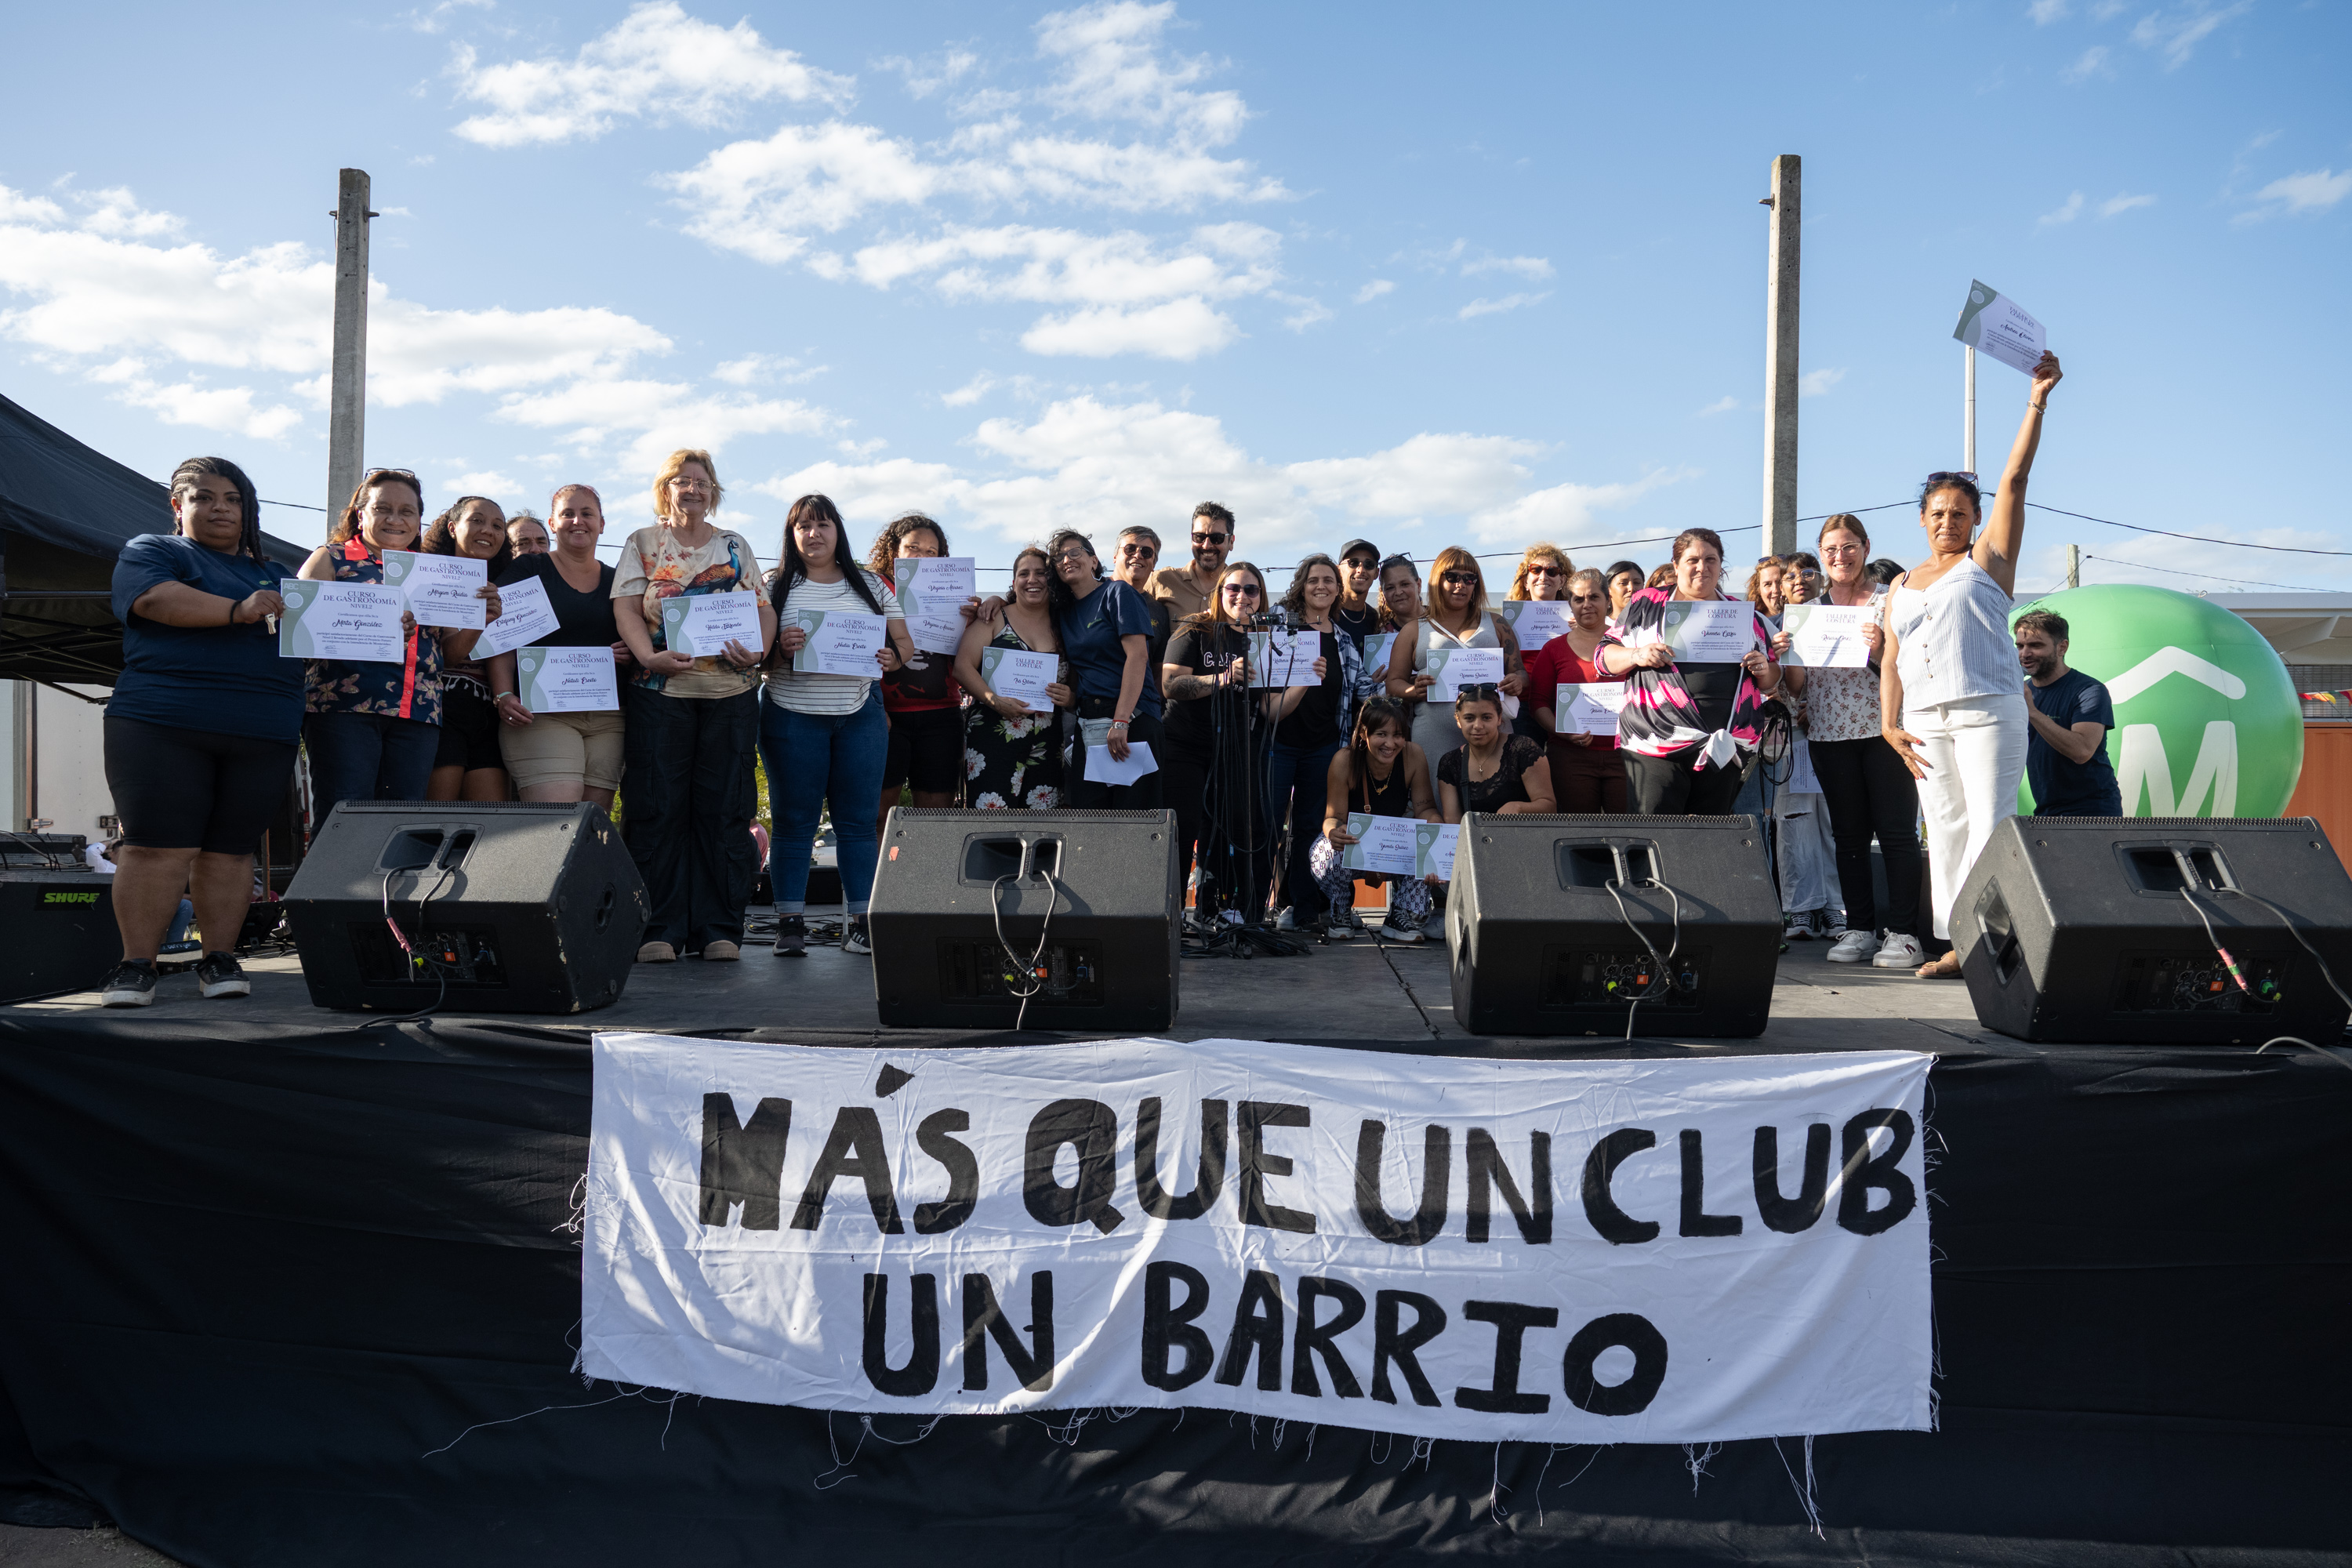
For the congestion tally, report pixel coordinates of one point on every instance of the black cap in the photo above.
(1355, 544)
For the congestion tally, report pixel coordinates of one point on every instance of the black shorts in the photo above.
(180, 789)
(470, 731)
(925, 750)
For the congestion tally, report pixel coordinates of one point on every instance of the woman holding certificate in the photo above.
(921, 699)
(1382, 775)
(1455, 620)
(821, 732)
(1107, 635)
(468, 765)
(1697, 665)
(690, 602)
(1586, 773)
(1950, 698)
(1214, 747)
(1010, 663)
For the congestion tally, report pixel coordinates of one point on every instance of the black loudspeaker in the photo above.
(1564, 925)
(951, 896)
(61, 931)
(2095, 929)
(500, 907)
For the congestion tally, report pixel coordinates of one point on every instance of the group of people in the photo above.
(1157, 699)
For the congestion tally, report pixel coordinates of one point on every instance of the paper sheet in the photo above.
(931, 591)
(567, 680)
(1992, 323)
(1104, 768)
(1709, 631)
(1826, 637)
(1383, 844)
(702, 625)
(1455, 667)
(441, 590)
(355, 621)
(1587, 709)
(526, 614)
(840, 643)
(1021, 675)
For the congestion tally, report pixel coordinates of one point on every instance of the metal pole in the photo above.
(1780, 292)
(1969, 401)
(347, 397)
(2073, 566)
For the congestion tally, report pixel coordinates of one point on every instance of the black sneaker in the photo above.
(856, 939)
(129, 984)
(791, 937)
(219, 975)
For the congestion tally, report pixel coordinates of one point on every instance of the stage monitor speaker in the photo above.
(503, 907)
(951, 896)
(60, 925)
(2077, 930)
(1565, 925)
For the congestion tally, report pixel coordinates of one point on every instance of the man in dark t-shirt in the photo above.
(2066, 753)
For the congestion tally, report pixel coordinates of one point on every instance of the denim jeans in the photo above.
(687, 804)
(1297, 787)
(368, 756)
(815, 759)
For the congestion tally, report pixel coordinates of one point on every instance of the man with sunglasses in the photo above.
(1131, 564)
(1187, 588)
(1356, 616)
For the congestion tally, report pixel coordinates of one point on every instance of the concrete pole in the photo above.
(1969, 408)
(1780, 280)
(2073, 566)
(347, 396)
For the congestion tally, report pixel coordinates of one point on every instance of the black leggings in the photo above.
(1870, 792)
(182, 789)
(1667, 786)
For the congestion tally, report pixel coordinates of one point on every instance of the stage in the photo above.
(297, 1288)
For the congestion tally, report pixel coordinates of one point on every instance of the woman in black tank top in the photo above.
(1381, 774)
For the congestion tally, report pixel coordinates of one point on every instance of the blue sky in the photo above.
(1427, 275)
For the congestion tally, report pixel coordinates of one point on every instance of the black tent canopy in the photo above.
(65, 512)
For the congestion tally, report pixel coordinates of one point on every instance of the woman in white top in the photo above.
(823, 733)
(1456, 617)
(1951, 699)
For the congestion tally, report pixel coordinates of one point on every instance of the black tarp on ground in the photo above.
(255, 1278)
(66, 511)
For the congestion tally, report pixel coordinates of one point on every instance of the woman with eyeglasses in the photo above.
(689, 724)
(469, 764)
(1950, 701)
(1586, 774)
(921, 698)
(1491, 770)
(373, 729)
(1866, 792)
(1307, 735)
(1455, 618)
(1012, 756)
(1214, 749)
(1688, 727)
(1107, 637)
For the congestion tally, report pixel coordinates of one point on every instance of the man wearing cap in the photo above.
(1355, 614)
(1187, 588)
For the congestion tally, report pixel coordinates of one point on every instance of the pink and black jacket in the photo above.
(1659, 717)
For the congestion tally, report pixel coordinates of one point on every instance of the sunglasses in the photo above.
(1484, 689)
(1211, 538)
(1545, 571)
(1942, 476)
(375, 474)
(1360, 564)
(1241, 590)
(1459, 579)
(1147, 550)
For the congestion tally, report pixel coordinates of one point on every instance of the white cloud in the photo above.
(1563, 511)
(971, 392)
(436, 18)
(2067, 214)
(1530, 267)
(1817, 382)
(1112, 69)
(2045, 11)
(860, 449)
(1179, 330)
(2092, 62)
(1721, 405)
(235, 409)
(2176, 33)
(1477, 307)
(925, 78)
(657, 64)
(2313, 192)
(1373, 290)
(2120, 202)
(756, 367)
(1307, 313)
(654, 418)
(486, 482)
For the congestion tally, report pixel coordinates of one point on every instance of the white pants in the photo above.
(1808, 854)
(1975, 752)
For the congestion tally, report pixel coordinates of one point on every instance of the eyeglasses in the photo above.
(1459, 579)
(1835, 551)
(1067, 556)
(1241, 590)
(1147, 550)
(1942, 476)
(1211, 538)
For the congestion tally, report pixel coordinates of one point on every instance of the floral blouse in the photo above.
(1660, 715)
(409, 689)
(1842, 704)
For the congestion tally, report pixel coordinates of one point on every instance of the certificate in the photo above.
(355, 621)
(1455, 667)
(1383, 844)
(1021, 675)
(1433, 845)
(702, 625)
(525, 615)
(1994, 323)
(442, 590)
(1280, 657)
(1377, 648)
(1101, 767)
(1534, 622)
(1587, 709)
(567, 680)
(1709, 631)
(839, 643)
(1826, 637)
(932, 591)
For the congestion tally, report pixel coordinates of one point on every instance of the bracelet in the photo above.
(495, 700)
(1119, 723)
(232, 612)
(2037, 407)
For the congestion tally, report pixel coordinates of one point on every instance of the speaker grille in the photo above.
(1623, 822)
(2110, 823)
(1012, 820)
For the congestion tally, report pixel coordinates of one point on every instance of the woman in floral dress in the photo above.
(1013, 758)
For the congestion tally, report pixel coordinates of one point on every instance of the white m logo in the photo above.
(2143, 765)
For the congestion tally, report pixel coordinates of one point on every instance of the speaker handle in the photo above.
(1028, 860)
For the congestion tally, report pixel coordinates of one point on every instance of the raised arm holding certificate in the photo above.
(351, 621)
(568, 680)
(525, 615)
(1826, 637)
(1709, 631)
(442, 590)
(700, 626)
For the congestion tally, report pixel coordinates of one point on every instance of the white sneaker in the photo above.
(1854, 947)
(1287, 920)
(1900, 951)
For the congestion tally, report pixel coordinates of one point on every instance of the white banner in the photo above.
(1623, 1251)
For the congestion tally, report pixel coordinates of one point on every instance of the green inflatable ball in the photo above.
(2207, 721)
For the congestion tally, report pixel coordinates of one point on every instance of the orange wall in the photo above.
(2325, 790)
